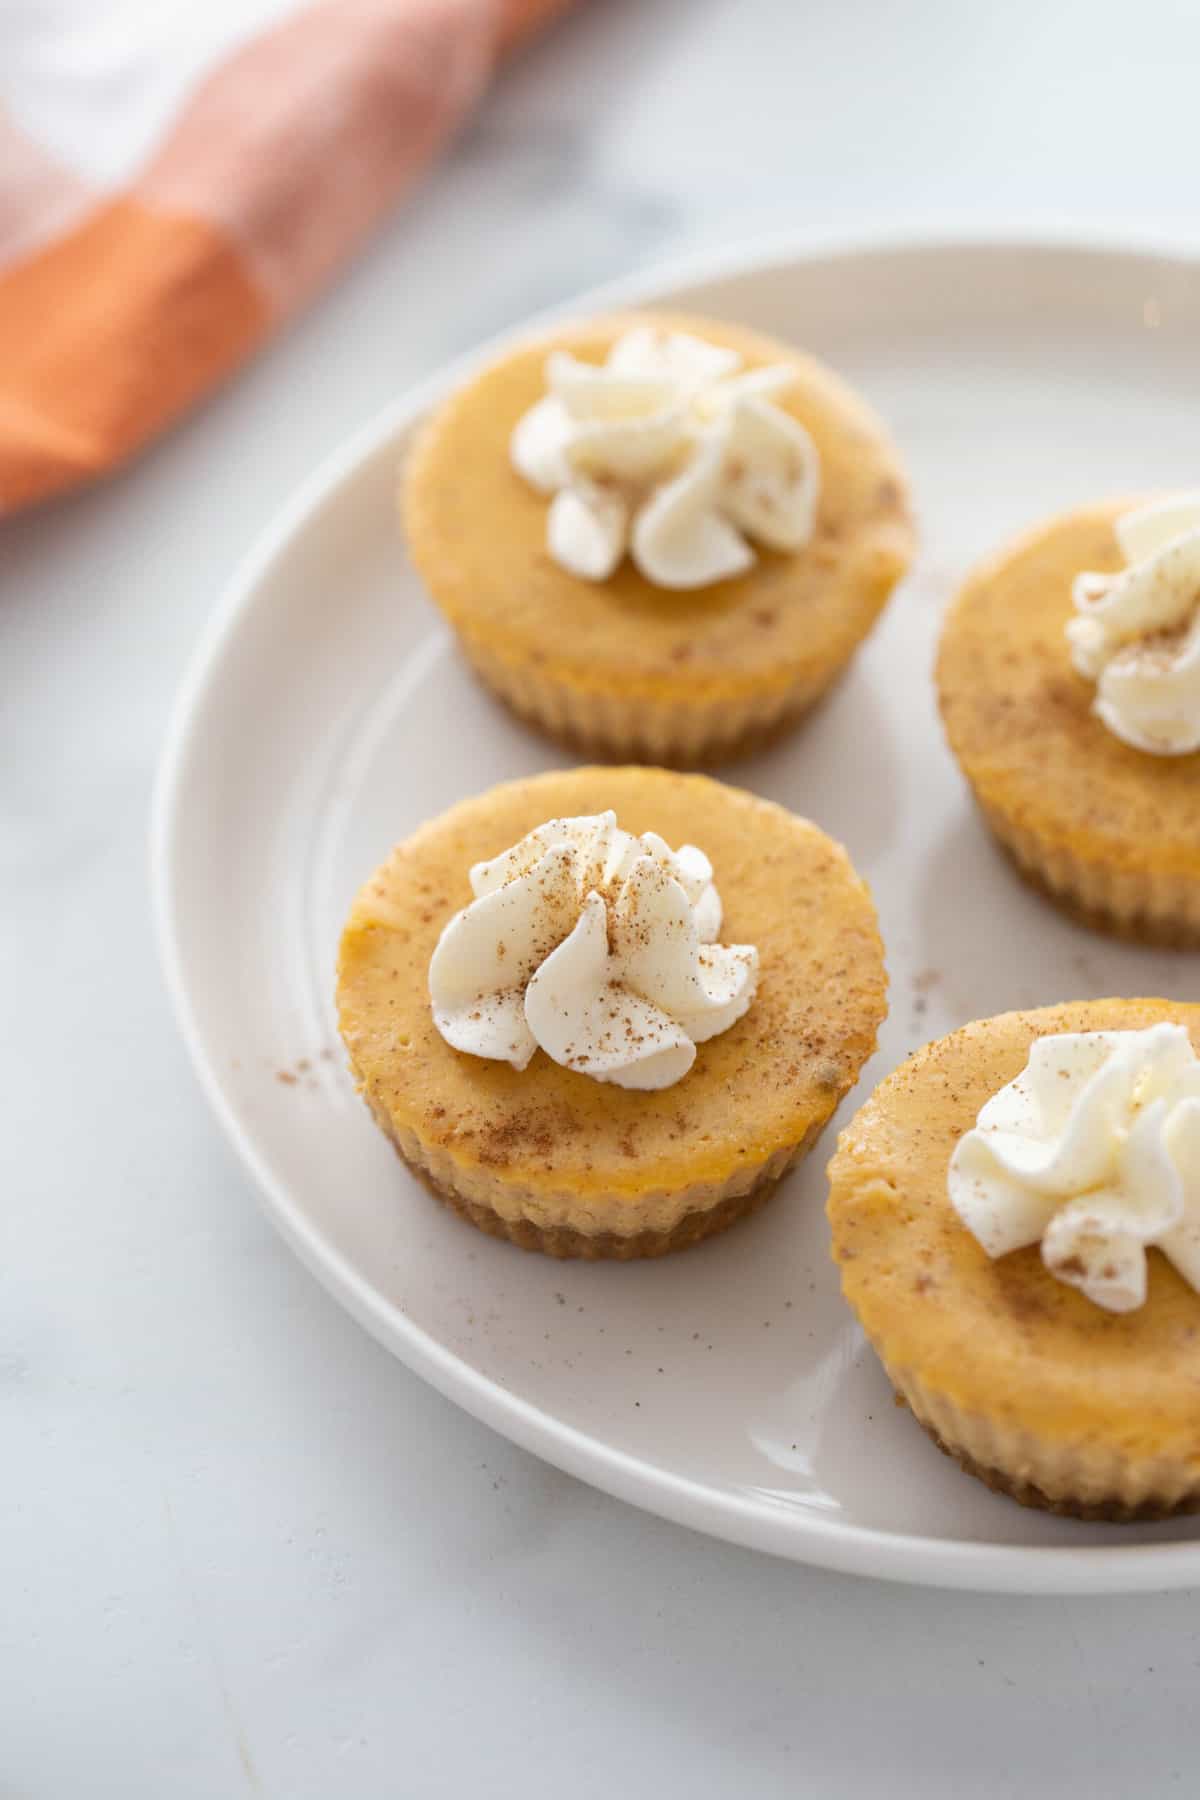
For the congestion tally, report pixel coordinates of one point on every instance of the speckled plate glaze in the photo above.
(327, 714)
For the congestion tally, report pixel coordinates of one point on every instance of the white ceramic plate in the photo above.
(327, 714)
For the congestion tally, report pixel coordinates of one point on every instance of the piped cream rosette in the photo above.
(1137, 634)
(672, 453)
(596, 946)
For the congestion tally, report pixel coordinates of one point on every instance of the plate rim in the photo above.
(971, 1564)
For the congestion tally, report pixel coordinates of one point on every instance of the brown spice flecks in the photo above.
(530, 1131)
(1024, 1303)
(286, 1076)
(1158, 650)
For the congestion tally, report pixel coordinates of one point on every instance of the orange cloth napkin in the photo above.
(254, 164)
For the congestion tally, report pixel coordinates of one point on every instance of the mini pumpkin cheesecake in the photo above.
(657, 537)
(601, 1012)
(1069, 681)
(1016, 1216)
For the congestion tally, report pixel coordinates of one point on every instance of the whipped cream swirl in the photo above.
(1137, 634)
(669, 450)
(596, 945)
(1093, 1151)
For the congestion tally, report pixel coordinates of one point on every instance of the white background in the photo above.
(241, 1550)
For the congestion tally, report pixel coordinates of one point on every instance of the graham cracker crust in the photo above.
(1026, 1493)
(1141, 927)
(564, 1241)
(1158, 934)
(599, 747)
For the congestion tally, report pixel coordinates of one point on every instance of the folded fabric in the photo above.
(174, 182)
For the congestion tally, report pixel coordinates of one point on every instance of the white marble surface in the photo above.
(241, 1550)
